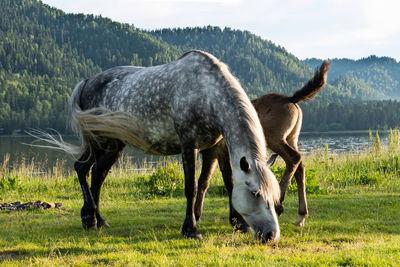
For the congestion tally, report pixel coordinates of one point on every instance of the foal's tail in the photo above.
(313, 86)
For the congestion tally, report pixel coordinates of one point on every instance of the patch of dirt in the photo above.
(29, 205)
(9, 255)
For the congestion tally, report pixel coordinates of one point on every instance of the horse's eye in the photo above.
(256, 193)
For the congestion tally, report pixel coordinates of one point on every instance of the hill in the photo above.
(44, 52)
(380, 76)
(260, 65)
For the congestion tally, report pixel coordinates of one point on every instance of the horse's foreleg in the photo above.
(189, 162)
(104, 161)
(208, 166)
(301, 189)
(292, 159)
(82, 167)
(235, 218)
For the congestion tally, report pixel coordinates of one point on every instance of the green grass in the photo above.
(354, 220)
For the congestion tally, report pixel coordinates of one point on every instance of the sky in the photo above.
(324, 29)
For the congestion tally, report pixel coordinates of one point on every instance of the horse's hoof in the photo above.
(242, 229)
(89, 222)
(239, 224)
(279, 209)
(89, 227)
(192, 233)
(102, 223)
(195, 235)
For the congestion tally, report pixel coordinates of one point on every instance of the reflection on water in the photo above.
(21, 153)
(47, 158)
(338, 142)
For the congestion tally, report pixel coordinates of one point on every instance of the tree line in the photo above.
(44, 52)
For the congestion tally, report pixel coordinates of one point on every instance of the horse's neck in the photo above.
(242, 136)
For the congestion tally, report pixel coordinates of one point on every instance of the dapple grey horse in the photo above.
(183, 107)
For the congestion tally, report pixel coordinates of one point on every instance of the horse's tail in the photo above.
(313, 86)
(75, 105)
(58, 143)
(98, 124)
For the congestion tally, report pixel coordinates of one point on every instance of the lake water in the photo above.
(46, 158)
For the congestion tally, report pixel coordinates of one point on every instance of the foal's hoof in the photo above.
(279, 209)
(300, 221)
(89, 222)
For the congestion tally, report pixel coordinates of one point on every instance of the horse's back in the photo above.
(166, 99)
(95, 88)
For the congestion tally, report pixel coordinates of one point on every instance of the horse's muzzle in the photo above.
(267, 236)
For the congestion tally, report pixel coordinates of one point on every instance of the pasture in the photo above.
(354, 204)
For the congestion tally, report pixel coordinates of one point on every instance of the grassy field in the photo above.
(354, 204)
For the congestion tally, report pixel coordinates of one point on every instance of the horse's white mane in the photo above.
(249, 120)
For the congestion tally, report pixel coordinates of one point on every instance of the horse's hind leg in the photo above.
(82, 168)
(104, 160)
(208, 166)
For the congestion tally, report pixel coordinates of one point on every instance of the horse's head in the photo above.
(254, 195)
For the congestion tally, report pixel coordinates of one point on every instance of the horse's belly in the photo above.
(162, 139)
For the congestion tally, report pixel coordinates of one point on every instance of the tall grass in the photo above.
(377, 167)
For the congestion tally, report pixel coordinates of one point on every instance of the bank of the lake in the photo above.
(19, 151)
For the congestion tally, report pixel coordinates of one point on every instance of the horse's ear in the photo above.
(271, 160)
(244, 165)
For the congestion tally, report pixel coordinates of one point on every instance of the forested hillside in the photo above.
(260, 65)
(347, 102)
(44, 52)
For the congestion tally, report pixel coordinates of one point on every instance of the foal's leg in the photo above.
(235, 218)
(292, 159)
(189, 162)
(208, 166)
(82, 167)
(300, 176)
(104, 160)
(301, 191)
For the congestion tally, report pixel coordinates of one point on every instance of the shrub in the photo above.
(11, 182)
(312, 184)
(166, 180)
